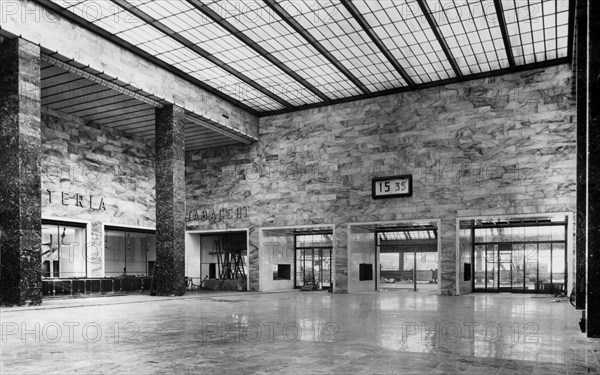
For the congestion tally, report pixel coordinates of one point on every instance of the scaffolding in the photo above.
(230, 262)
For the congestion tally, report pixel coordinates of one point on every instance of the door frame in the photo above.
(312, 248)
(568, 244)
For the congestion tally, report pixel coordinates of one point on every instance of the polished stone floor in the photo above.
(298, 333)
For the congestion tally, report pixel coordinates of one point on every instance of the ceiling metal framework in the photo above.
(281, 12)
(436, 30)
(376, 40)
(260, 50)
(504, 29)
(277, 56)
(80, 91)
(195, 48)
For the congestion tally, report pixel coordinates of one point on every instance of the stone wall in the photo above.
(503, 145)
(105, 177)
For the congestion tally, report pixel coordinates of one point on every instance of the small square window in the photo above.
(282, 272)
(365, 271)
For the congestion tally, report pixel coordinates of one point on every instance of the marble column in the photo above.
(340, 259)
(170, 201)
(20, 177)
(253, 260)
(593, 165)
(447, 237)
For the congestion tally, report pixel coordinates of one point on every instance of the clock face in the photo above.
(391, 187)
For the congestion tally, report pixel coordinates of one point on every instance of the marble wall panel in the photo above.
(502, 145)
(95, 174)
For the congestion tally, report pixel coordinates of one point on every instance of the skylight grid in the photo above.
(145, 33)
(538, 31)
(232, 52)
(277, 38)
(184, 21)
(281, 84)
(149, 39)
(113, 25)
(242, 58)
(237, 89)
(267, 30)
(366, 68)
(93, 11)
(244, 15)
(106, 15)
(194, 65)
(403, 29)
(67, 3)
(533, 27)
(465, 27)
(156, 46)
(164, 9)
(339, 33)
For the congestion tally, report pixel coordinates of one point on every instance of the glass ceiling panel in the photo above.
(332, 25)
(538, 29)
(267, 30)
(208, 35)
(135, 31)
(472, 33)
(403, 29)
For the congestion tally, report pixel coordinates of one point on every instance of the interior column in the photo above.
(20, 178)
(170, 201)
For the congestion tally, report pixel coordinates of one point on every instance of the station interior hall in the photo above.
(286, 186)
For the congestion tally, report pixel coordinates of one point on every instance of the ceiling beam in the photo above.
(198, 50)
(436, 30)
(504, 29)
(358, 17)
(257, 48)
(289, 19)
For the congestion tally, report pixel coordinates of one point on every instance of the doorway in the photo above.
(313, 261)
(408, 259)
(520, 257)
(217, 260)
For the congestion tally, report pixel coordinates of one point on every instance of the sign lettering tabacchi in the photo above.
(219, 214)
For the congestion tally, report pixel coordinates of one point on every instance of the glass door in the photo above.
(535, 261)
(313, 267)
(491, 269)
(531, 267)
(505, 270)
(518, 267)
(300, 267)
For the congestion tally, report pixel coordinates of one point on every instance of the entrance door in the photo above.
(313, 267)
(504, 270)
(535, 263)
(408, 259)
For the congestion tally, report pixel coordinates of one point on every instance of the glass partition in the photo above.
(128, 252)
(520, 258)
(63, 250)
